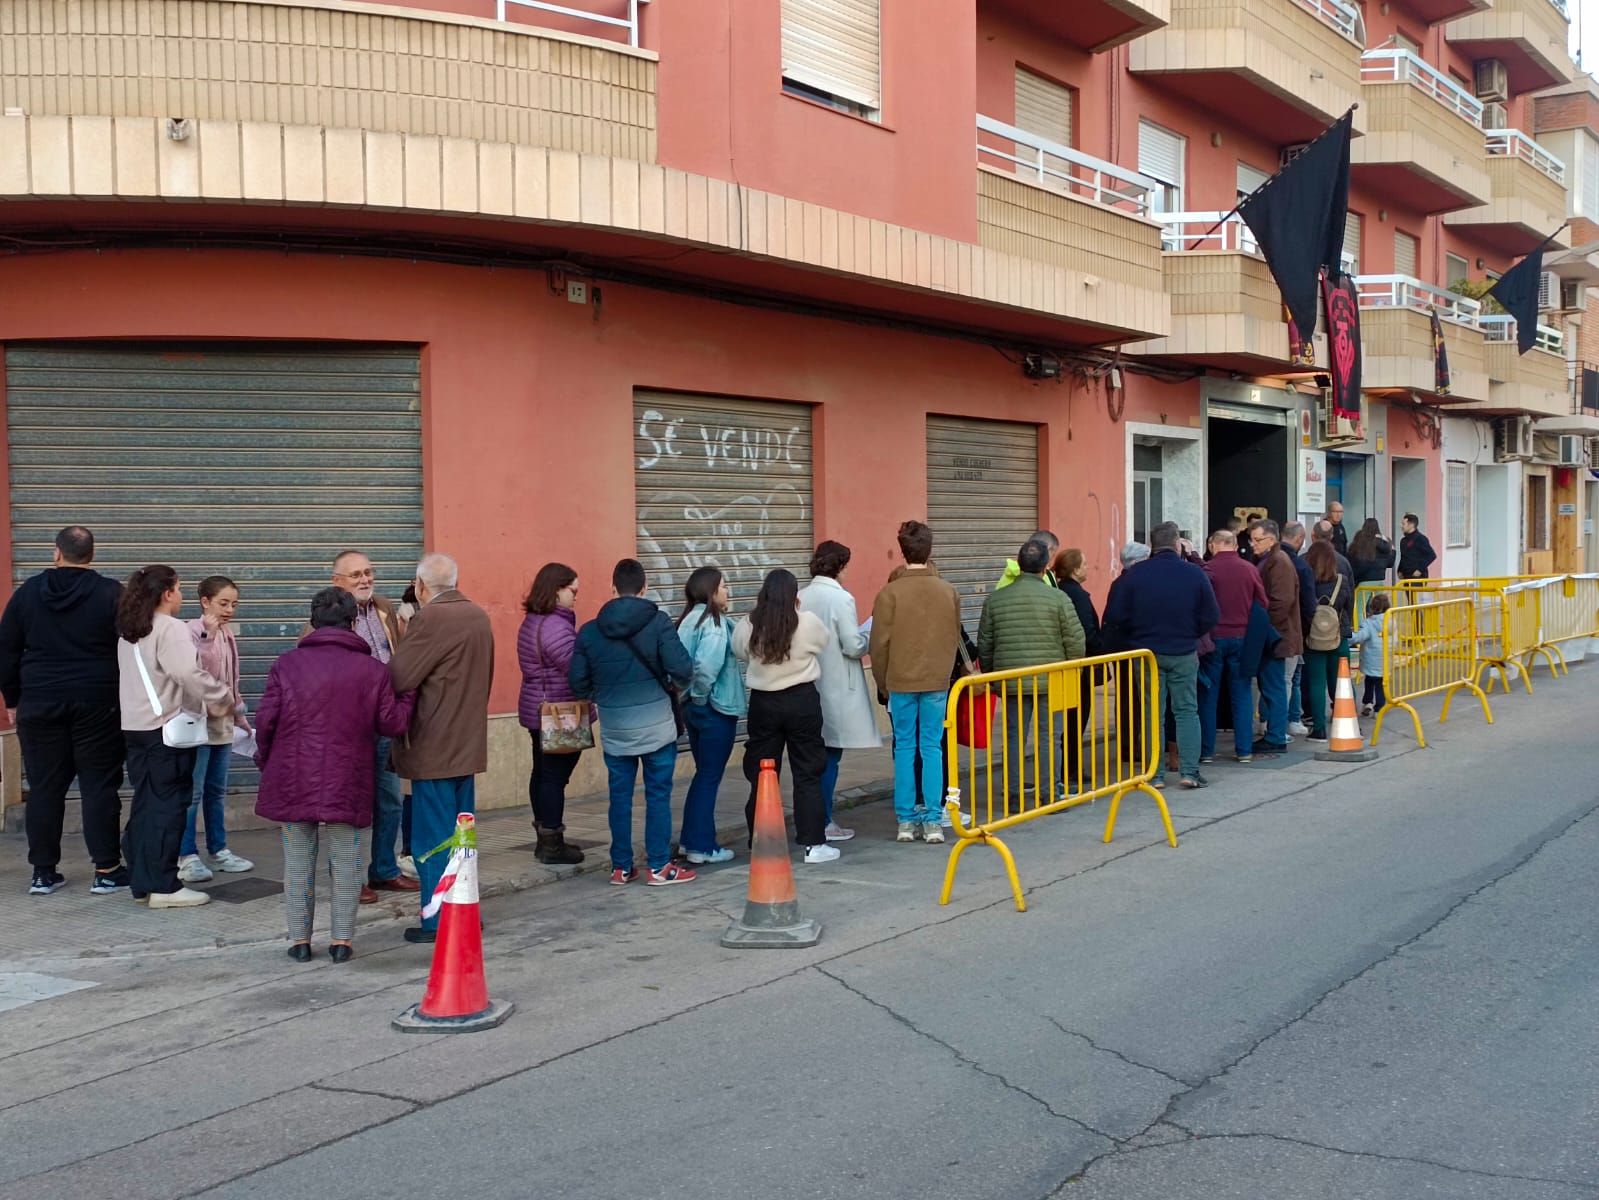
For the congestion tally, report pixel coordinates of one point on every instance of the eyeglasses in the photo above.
(368, 573)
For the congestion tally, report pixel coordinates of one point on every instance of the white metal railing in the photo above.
(1501, 327)
(1060, 168)
(1405, 291)
(1512, 143)
(1403, 66)
(1345, 18)
(1187, 231)
(629, 22)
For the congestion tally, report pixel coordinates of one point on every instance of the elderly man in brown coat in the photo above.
(447, 658)
(1282, 604)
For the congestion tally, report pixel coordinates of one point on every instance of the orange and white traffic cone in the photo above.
(771, 918)
(456, 999)
(1344, 743)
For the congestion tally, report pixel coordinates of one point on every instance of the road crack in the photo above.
(1118, 1055)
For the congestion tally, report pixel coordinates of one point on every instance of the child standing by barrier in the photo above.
(1369, 638)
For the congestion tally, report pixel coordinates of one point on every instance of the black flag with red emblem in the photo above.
(1343, 343)
(1440, 357)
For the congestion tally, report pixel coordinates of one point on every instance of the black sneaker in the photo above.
(108, 883)
(46, 881)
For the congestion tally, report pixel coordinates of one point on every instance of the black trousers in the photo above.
(61, 741)
(546, 786)
(163, 785)
(1374, 694)
(789, 720)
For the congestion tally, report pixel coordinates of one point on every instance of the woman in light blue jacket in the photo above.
(715, 702)
(849, 721)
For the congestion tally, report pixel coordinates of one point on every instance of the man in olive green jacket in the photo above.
(1030, 624)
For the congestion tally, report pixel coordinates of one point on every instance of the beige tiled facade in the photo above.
(1398, 354)
(1522, 197)
(1533, 383)
(1537, 26)
(1225, 305)
(1409, 129)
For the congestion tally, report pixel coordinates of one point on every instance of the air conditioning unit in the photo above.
(1513, 439)
(1548, 291)
(1495, 115)
(1493, 81)
(1331, 429)
(1573, 451)
(1291, 152)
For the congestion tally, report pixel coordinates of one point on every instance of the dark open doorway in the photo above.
(1248, 469)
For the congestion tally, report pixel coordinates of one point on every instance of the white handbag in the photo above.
(186, 730)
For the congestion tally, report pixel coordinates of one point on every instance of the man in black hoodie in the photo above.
(58, 674)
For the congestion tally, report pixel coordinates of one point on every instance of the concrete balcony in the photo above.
(1091, 25)
(1433, 11)
(1423, 138)
(1396, 333)
(1534, 384)
(1284, 69)
(1046, 202)
(1528, 195)
(1528, 36)
(399, 71)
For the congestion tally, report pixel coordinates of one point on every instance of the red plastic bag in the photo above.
(974, 717)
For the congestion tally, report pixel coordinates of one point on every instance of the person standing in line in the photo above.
(1166, 607)
(849, 721)
(916, 632)
(219, 657)
(715, 702)
(1323, 532)
(58, 674)
(1132, 708)
(159, 678)
(1371, 556)
(1370, 640)
(1030, 624)
(1281, 581)
(544, 646)
(1337, 534)
(447, 659)
(1013, 570)
(1299, 709)
(1071, 572)
(1321, 656)
(1238, 589)
(781, 647)
(1416, 554)
(326, 703)
(628, 660)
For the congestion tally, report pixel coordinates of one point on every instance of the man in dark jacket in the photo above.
(626, 660)
(1281, 579)
(1238, 589)
(1416, 554)
(1336, 533)
(1165, 606)
(1299, 712)
(58, 673)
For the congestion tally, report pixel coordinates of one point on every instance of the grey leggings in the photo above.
(300, 842)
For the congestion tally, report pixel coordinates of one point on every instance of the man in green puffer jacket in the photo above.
(1029, 624)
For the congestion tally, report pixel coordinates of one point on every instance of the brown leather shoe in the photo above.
(368, 896)
(398, 884)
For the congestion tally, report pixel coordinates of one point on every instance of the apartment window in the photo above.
(1455, 269)
(1537, 512)
(1588, 199)
(1407, 255)
(832, 52)
(1249, 179)
(1161, 154)
(1352, 243)
(1457, 503)
(1043, 107)
(1403, 41)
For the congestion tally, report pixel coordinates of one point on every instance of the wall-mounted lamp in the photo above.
(1041, 366)
(179, 128)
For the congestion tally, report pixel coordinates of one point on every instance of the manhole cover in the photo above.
(242, 891)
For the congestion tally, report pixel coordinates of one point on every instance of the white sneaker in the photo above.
(714, 856)
(230, 862)
(933, 834)
(192, 870)
(182, 898)
(837, 833)
(822, 853)
(944, 819)
(1298, 728)
(907, 832)
(408, 866)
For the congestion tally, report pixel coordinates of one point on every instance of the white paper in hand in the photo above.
(244, 742)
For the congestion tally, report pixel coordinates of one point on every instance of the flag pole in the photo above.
(1230, 214)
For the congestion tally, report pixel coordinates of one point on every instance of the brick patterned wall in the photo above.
(1549, 113)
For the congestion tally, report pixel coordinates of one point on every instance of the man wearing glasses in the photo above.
(1282, 605)
(380, 627)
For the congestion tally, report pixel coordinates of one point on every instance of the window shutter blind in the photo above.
(1160, 154)
(1588, 202)
(1455, 268)
(1043, 107)
(1249, 179)
(834, 46)
(1407, 250)
(1352, 242)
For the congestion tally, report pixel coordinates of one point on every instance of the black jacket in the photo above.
(1084, 604)
(1374, 570)
(58, 639)
(1415, 555)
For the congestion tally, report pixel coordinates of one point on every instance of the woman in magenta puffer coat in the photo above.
(326, 703)
(544, 649)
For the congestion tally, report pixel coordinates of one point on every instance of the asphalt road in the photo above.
(1346, 982)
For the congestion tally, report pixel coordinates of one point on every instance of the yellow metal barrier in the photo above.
(1429, 648)
(1570, 612)
(1009, 736)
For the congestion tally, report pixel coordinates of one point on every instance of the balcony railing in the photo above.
(1206, 231)
(1498, 327)
(1402, 66)
(1345, 18)
(1059, 168)
(629, 22)
(1404, 291)
(1512, 143)
(1584, 378)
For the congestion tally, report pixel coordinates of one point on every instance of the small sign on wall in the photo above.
(1312, 481)
(1568, 510)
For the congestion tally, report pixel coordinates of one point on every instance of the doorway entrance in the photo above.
(1248, 453)
(1409, 481)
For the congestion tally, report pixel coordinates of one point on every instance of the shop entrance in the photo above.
(1346, 483)
(1248, 464)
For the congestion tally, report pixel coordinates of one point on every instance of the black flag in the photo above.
(1298, 217)
(1343, 343)
(1517, 290)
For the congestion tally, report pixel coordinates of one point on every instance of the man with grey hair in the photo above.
(1130, 703)
(1293, 542)
(1281, 580)
(447, 658)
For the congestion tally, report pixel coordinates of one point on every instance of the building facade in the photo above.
(708, 281)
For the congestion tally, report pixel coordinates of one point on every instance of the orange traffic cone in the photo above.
(1344, 743)
(771, 918)
(456, 999)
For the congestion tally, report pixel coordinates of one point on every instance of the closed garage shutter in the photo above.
(982, 502)
(260, 464)
(723, 483)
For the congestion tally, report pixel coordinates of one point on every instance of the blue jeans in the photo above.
(387, 811)
(1239, 696)
(623, 769)
(835, 756)
(1274, 701)
(434, 805)
(918, 720)
(710, 741)
(210, 790)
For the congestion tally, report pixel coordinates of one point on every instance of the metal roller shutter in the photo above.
(723, 483)
(1352, 228)
(1407, 252)
(1043, 107)
(260, 464)
(834, 46)
(982, 501)
(1160, 155)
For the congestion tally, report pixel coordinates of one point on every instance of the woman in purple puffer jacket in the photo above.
(327, 701)
(544, 649)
